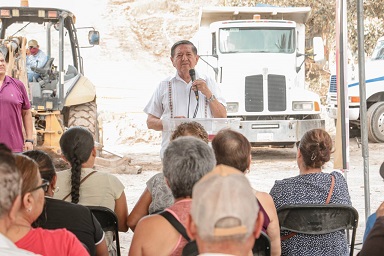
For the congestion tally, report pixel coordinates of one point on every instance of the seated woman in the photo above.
(312, 186)
(185, 161)
(157, 196)
(233, 149)
(61, 214)
(40, 241)
(82, 184)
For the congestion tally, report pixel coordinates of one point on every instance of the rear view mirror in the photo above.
(318, 49)
(93, 37)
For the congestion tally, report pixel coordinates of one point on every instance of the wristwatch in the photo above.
(29, 141)
(212, 98)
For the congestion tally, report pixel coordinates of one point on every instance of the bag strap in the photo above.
(82, 180)
(330, 189)
(175, 223)
(330, 192)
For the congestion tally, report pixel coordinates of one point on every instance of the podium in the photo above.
(211, 125)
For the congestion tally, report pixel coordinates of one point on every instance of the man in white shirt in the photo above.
(10, 201)
(175, 96)
(35, 58)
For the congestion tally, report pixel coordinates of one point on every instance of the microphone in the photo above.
(192, 73)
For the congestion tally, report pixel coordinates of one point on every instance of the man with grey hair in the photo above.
(10, 200)
(186, 160)
(225, 217)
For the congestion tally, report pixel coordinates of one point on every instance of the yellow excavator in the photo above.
(62, 96)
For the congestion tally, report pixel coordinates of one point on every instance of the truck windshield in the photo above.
(266, 40)
(378, 53)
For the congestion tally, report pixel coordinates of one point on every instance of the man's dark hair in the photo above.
(194, 49)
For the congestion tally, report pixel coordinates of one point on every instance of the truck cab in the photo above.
(374, 83)
(257, 56)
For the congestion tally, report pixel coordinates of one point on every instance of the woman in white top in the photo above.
(97, 188)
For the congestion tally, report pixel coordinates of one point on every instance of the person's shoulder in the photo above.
(68, 206)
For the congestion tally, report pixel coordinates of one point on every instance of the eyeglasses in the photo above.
(297, 144)
(44, 186)
(31, 47)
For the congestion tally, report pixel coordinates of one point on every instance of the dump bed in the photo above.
(213, 14)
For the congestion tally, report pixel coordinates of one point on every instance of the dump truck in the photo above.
(257, 55)
(62, 96)
(374, 74)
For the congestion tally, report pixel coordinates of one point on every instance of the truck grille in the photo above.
(332, 84)
(254, 93)
(254, 101)
(277, 98)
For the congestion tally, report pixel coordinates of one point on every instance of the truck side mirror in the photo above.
(318, 49)
(93, 37)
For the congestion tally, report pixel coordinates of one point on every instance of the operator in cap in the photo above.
(35, 58)
(225, 217)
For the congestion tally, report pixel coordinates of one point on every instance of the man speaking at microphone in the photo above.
(183, 96)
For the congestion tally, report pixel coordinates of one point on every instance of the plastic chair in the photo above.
(108, 221)
(317, 219)
(262, 246)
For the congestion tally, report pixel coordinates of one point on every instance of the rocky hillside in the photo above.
(148, 28)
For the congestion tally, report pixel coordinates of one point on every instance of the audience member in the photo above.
(157, 195)
(35, 58)
(225, 217)
(373, 245)
(41, 241)
(372, 218)
(82, 184)
(186, 160)
(312, 186)
(233, 149)
(61, 214)
(10, 201)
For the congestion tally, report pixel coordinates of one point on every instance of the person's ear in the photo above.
(172, 61)
(258, 225)
(94, 152)
(191, 228)
(14, 208)
(249, 161)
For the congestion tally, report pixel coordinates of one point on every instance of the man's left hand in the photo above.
(201, 86)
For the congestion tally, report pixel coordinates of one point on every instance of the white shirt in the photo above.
(37, 60)
(10, 249)
(183, 101)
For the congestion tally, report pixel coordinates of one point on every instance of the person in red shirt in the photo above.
(58, 242)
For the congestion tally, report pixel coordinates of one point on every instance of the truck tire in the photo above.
(375, 116)
(84, 115)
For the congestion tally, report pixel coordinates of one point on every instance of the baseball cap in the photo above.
(33, 43)
(224, 204)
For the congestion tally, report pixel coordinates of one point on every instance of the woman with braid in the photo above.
(82, 184)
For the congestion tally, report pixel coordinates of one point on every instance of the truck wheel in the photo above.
(84, 115)
(375, 116)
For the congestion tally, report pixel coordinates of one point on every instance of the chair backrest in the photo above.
(108, 221)
(262, 245)
(317, 219)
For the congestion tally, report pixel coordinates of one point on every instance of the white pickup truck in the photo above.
(374, 74)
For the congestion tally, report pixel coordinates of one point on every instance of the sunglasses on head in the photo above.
(44, 186)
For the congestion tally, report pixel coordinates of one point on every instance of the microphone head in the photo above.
(192, 72)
